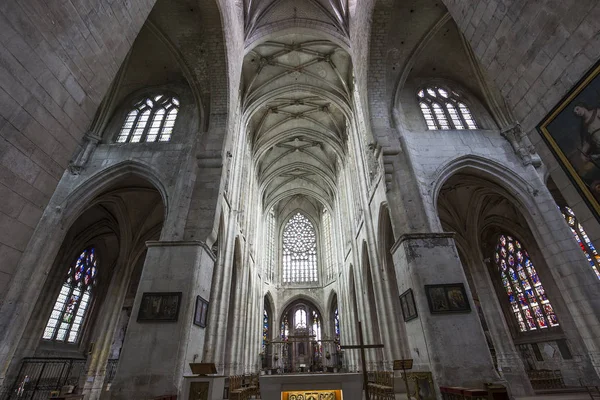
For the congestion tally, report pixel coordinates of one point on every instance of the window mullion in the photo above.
(162, 124)
(148, 125)
(461, 115)
(135, 122)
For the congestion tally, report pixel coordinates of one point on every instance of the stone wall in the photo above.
(57, 61)
(535, 52)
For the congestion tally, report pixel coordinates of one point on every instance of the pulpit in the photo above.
(200, 386)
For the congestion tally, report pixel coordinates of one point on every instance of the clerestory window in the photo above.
(444, 108)
(526, 294)
(299, 250)
(72, 304)
(151, 120)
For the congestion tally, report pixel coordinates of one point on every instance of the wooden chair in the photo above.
(236, 391)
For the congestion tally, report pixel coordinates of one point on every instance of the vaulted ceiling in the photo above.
(296, 97)
(262, 16)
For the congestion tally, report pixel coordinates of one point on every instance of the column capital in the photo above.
(421, 236)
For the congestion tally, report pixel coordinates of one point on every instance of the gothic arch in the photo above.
(266, 33)
(74, 204)
(298, 298)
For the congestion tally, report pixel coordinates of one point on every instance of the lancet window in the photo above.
(265, 338)
(72, 304)
(444, 108)
(582, 239)
(270, 246)
(151, 120)
(327, 244)
(527, 297)
(299, 250)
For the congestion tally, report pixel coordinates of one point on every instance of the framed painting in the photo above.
(159, 307)
(572, 131)
(447, 298)
(201, 312)
(407, 302)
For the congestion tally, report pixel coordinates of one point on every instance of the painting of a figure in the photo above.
(572, 131)
(159, 307)
(447, 298)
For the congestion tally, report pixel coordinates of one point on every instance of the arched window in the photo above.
(444, 108)
(299, 250)
(270, 250)
(327, 242)
(151, 120)
(582, 239)
(336, 324)
(69, 312)
(265, 330)
(527, 297)
(300, 319)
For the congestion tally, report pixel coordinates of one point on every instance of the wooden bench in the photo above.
(381, 385)
(546, 379)
(242, 387)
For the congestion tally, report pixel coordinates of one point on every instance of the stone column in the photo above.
(155, 355)
(452, 346)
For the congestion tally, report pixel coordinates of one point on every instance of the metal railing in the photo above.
(39, 376)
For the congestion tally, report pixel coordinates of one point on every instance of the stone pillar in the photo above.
(452, 346)
(155, 355)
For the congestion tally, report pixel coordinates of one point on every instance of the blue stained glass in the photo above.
(78, 291)
(521, 285)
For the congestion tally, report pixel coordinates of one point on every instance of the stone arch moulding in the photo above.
(282, 28)
(75, 203)
(307, 297)
(497, 173)
(330, 298)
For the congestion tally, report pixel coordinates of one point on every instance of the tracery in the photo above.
(71, 305)
(526, 294)
(151, 120)
(299, 250)
(444, 108)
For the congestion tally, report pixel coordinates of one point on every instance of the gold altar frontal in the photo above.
(312, 395)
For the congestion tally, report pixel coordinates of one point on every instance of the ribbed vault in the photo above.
(296, 96)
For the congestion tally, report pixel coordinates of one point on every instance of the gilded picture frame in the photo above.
(572, 132)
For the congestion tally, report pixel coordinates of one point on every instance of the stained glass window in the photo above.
(528, 300)
(327, 244)
(300, 319)
(270, 251)
(336, 323)
(265, 330)
(582, 239)
(299, 250)
(443, 108)
(151, 120)
(69, 312)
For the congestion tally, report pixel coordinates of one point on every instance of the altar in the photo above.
(312, 387)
